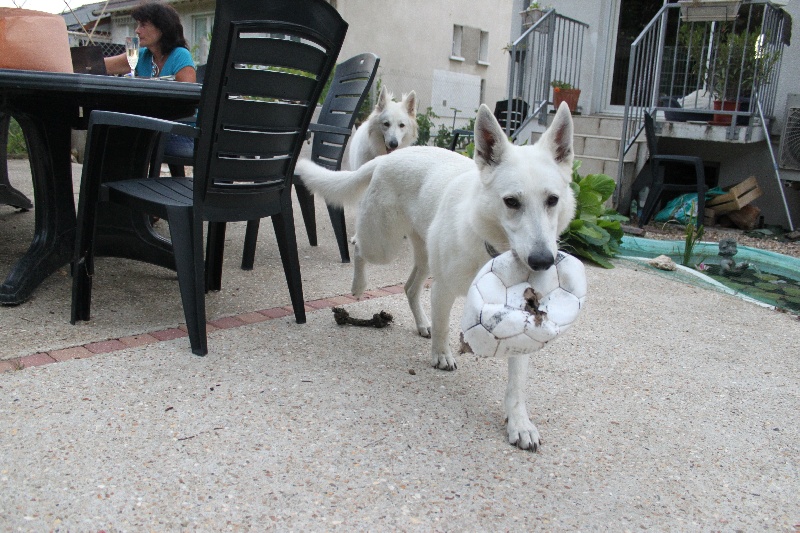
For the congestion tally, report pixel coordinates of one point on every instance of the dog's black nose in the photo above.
(540, 260)
(393, 144)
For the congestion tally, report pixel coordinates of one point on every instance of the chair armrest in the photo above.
(111, 118)
(315, 127)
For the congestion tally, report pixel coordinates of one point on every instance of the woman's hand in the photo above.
(117, 64)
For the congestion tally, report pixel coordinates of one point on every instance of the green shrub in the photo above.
(16, 141)
(596, 231)
(424, 126)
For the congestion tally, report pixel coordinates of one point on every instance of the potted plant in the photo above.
(740, 62)
(737, 64)
(709, 10)
(565, 92)
(531, 14)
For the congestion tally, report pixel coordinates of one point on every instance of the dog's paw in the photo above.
(444, 361)
(523, 434)
(424, 331)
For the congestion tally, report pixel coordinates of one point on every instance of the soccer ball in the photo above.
(511, 310)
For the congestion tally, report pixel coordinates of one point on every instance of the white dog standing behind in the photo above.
(454, 210)
(390, 126)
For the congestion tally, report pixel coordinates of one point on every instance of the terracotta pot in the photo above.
(724, 105)
(570, 96)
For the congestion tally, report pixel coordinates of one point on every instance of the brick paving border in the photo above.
(112, 345)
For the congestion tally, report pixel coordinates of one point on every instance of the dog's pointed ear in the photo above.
(490, 139)
(383, 98)
(558, 137)
(410, 101)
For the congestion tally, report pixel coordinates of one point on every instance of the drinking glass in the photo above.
(132, 53)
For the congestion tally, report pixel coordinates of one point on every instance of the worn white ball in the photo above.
(511, 310)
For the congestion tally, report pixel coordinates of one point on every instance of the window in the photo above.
(458, 32)
(483, 55)
(202, 26)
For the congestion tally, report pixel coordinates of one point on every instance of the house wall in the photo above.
(414, 40)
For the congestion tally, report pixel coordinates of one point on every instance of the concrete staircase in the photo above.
(596, 144)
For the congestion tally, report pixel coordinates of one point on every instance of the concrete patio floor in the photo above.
(667, 407)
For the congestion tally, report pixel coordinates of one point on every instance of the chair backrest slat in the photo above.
(266, 69)
(251, 82)
(263, 143)
(294, 53)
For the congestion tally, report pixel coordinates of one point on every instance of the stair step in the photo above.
(599, 146)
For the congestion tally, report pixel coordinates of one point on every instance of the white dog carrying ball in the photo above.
(511, 310)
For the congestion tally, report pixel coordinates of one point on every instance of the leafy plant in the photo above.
(692, 238)
(596, 231)
(744, 57)
(16, 140)
(538, 5)
(443, 137)
(424, 126)
(558, 84)
(738, 57)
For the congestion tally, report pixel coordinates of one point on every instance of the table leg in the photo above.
(119, 233)
(54, 216)
(8, 194)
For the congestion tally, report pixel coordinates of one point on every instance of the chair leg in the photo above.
(187, 242)
(306, 200)
(215, 248)
(650, 204)
(283, 224)
(82, 272)
(250, 240)
(83, 259)
(340, 230)
(701, 193)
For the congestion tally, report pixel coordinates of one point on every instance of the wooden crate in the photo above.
(736, 198)
(709, 217)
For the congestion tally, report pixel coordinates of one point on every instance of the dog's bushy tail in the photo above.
(338, 188)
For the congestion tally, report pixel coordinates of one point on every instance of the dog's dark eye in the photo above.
(387, 124)
(402, 125)
(552, 200)
(511, 202)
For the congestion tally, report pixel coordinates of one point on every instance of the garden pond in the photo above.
(772, 278)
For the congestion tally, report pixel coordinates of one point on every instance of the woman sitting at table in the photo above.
(164, 50)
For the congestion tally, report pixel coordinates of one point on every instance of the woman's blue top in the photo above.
(178, 59)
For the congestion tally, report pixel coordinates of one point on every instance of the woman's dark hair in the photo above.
(166, 19)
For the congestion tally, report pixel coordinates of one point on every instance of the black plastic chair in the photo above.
(266, 70)
(457, 134)
(348, 90)
(661, 182)
(511, 115)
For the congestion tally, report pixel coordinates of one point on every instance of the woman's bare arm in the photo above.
(187, 74)
(117, 64)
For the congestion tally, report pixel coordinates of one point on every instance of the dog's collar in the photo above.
(490, 249)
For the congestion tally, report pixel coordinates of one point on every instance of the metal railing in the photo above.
(723, 72)
(551, 49)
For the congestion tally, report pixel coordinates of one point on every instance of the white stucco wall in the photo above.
(413, 38)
